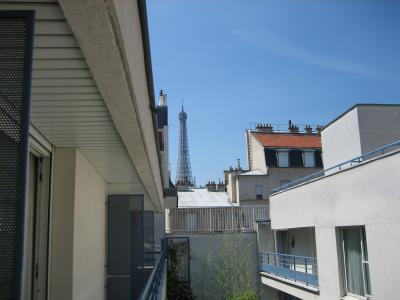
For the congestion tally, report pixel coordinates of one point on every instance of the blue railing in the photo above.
(300, 269)
(152, 291)
(347, 164)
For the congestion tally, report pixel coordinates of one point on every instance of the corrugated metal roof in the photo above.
(203, 198)
(288, 140)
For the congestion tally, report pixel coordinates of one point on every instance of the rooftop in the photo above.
(256, 172)
(288, 140)
(203, 198)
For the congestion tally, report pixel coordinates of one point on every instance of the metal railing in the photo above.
(152, 290)
(301, 269)
(208, 219)
(342, 166)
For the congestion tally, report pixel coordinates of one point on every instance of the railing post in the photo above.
(294, 268)
(232, 217)
(305, 265)
(209, 210)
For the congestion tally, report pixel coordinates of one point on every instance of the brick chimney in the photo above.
(211, 186)
(308, 129)
(293, 128)
(264, 128)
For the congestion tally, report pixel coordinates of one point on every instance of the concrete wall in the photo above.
(341, 140)
(257, 155)
(89, 232)
(204, 250)
(364, 195)
(379, 125)
(362, 129)
(304, 242)
(247, 191)
(77, 242)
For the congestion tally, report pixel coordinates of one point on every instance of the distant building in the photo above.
(337, 236)
(275, 158)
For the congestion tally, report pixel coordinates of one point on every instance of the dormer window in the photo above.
(283, 159)
(271, 158)
(309, 159)
(296, 158)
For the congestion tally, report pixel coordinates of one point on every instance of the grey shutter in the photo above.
(125, 278)
(16, 43)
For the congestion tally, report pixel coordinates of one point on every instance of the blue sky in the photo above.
(240, 62)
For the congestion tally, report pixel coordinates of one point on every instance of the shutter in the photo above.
(125, 255)
(16, 42)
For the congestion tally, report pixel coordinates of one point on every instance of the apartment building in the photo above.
(275, 157)
(335, 234)
(82, 180)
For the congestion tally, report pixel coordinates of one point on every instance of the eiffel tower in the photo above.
(184, 179)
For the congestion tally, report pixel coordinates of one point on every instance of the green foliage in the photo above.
(176, 290)
(247, 295)
(234, 272)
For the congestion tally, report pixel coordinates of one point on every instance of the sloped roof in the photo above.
(288, 140)
(256, 172)
(203, 198)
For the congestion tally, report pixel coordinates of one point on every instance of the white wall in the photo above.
(379, 125)
(341, 140)
(89, 232)
(77, 240)
(257, 155)
(364, 195)
(362, 129)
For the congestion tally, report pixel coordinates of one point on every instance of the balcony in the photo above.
(215, 219)
(301, 270)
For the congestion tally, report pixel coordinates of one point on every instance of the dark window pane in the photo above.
(296, 158)
(270, 158)
(318, 159)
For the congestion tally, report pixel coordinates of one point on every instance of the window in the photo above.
(318, 159)
(355, 262)
(270, 158)
(283, 159)
(309, 159)
(259, 191)
(296, 158)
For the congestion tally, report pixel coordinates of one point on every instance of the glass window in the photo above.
(283, 159)
(270, 158)
(318, 159)
(296, 158)
(355, 260)
(259, 191)
(309, 159)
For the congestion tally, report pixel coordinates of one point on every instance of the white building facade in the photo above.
(349, 217)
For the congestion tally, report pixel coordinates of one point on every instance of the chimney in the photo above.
(308, 129)
(211, 186)
(264, 127)
(163, 99)
(239, 168)
(221, 187)
(319, 128)
(293, 128)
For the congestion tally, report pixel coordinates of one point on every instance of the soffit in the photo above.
(66, 105)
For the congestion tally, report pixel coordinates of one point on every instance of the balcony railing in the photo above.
(345, 165)
(300, 269)
(208, 219)
(153, 289)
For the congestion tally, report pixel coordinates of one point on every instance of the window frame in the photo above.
(314, 163)
(361, 230)
(286, 152)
